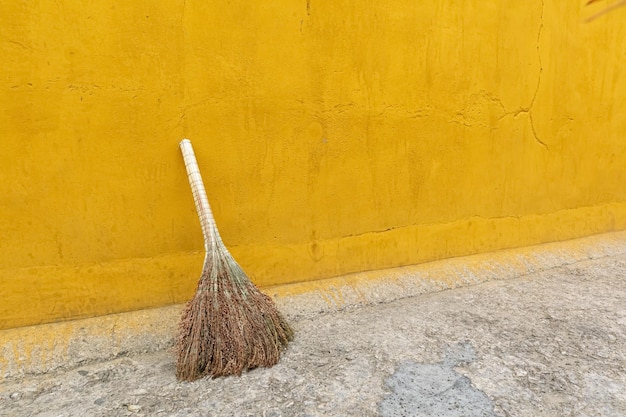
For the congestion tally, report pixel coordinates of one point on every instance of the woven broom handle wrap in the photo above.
(207, 222)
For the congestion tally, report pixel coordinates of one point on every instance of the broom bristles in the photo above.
(229, 325)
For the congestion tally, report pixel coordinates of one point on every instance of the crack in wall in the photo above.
(529, 109)
(182, 121)
(446, 223)
(532, 102)
(182, 17)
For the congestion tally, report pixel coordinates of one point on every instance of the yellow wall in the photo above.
(334, 136)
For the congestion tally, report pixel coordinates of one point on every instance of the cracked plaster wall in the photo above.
(334, 137)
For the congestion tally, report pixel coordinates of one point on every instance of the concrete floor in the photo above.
(551, 343)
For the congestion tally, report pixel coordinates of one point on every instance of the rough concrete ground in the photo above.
(548, 344)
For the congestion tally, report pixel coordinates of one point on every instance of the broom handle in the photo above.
(207, 222)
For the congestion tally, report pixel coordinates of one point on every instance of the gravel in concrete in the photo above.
(548, 344)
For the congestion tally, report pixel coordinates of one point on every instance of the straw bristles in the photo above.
(229, 325)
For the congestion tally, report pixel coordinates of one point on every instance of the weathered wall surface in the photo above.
(334, 137)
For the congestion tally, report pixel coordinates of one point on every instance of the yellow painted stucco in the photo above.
(334, 137)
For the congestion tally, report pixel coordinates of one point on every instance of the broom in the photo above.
(229, 325)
